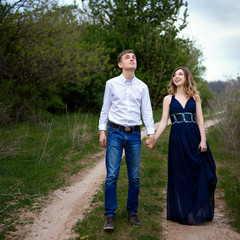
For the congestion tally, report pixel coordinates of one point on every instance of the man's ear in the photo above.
(120, 65)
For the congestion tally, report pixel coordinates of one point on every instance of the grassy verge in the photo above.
(35, 159)
(153, 172)
(228, 170)
(153, 178)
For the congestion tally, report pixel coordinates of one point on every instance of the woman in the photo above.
(191, 167)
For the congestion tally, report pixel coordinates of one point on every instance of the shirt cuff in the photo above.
(102, 127)
(150, 131)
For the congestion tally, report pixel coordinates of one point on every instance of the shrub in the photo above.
(226, 107)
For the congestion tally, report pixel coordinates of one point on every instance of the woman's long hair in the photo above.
(190, 86)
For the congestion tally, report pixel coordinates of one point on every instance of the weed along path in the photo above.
(67, 206)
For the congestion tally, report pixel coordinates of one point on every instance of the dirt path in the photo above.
(218, 229)
(67, 206)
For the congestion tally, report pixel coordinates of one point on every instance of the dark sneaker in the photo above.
(133, 219)
(109, 224)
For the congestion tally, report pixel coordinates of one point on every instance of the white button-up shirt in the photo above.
(124, 102)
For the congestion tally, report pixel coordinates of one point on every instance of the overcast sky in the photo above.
(215, 25)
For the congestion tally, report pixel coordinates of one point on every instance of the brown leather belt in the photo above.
(127, 129)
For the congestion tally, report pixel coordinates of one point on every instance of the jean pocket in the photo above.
(138, 133)
(113, 130)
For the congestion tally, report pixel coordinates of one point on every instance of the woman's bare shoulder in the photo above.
(168, 98)
(197, 98)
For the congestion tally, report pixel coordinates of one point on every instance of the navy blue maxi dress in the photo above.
(191, 173)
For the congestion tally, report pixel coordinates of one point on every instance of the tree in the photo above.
(42, 54)
(51, 56)
(151, 29)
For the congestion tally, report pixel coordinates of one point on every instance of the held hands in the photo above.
(151, 142)
(103, 139)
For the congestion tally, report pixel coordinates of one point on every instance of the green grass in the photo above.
(36, 159)
(228, 170)
(153, 179)
(153, 173)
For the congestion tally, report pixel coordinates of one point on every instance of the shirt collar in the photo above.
(131, 82)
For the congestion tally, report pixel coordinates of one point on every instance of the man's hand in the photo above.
(151, 142)
(103, 139)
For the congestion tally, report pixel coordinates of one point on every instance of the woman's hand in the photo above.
(203, 146)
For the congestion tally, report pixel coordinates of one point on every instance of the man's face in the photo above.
(128, 62)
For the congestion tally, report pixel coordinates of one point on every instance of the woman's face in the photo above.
(179, 78)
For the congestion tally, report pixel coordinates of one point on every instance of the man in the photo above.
(125, 98)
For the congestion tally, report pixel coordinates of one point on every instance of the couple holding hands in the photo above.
(191, 167)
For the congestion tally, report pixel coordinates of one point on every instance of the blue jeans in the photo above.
(118, 140)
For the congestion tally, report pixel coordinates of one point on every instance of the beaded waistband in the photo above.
(186, 117)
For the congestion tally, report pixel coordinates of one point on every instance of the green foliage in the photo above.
(151, 29)
(205, 93)
(87, 96)
(41, 53)
(52, 56)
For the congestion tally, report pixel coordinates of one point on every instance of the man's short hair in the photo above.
(123, 53)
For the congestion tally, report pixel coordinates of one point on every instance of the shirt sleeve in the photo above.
(107, 101)
(147, 113)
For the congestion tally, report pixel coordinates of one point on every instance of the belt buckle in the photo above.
(127, 129)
